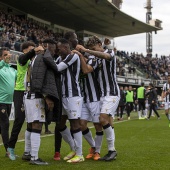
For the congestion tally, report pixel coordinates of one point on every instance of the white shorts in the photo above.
(91, 111)
(167, 105)
(109, 104)
(146, 105)
(34, 109)
(72, 107)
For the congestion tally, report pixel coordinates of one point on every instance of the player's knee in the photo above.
(98, 127)
(75, 123)
(83, 125)
(102, 120)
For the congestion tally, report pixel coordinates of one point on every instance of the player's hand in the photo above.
(39, 48)
(80, 48)
(49, 103)
(77, 52)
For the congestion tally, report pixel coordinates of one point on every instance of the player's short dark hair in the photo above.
(49, 41)
(25, 45)
(92, 41)
(63, 41)
(68, 35)
(3, 49)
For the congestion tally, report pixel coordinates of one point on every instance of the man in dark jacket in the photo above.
(122, 102)
(152, 99)
(41, 77)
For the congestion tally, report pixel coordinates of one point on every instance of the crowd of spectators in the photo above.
(14, 30)
(154, 67)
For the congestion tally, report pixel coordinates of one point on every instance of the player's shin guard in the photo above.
(28, 140)
(167, 115)
(88, 136)
(98, 141)
(67, 137)
(139, 114)
(110, 136)
(35, 143)
(77, 134)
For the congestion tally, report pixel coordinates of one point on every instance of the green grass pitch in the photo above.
(141, 145)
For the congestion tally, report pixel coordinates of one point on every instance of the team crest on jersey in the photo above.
(3, 110)
(100, 66)
(37, 105)
(114, 100)
(42, 116)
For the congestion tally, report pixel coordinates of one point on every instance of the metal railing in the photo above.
(130, 80)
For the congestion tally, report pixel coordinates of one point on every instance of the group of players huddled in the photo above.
(59, 81)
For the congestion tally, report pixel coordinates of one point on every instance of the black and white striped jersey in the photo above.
(70, 69)
(89, 83)
(165, 88)
(107, 75)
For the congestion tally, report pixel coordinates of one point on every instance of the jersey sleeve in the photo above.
(112, 54)
(92, 61)
(68, 61)
(164, 88)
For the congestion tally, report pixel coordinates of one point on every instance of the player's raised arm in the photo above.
(86, 68)
(99, 54)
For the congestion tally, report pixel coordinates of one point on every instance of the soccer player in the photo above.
(69, 65)
(71, 37)
(166, 97)
(29, 51)
(91, 105)
(7, 84)
(141, 100)
(110, 94)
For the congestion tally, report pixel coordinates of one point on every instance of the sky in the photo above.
(161, 40)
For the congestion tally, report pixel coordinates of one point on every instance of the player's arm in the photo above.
(86, 68)
(49, 61)
(23, 58)
(98, 54)
(164, 93)
(70, 59)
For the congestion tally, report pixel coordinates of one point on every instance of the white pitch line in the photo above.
(114, 123)
(22, 140)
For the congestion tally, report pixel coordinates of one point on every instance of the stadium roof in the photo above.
(99, 16)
